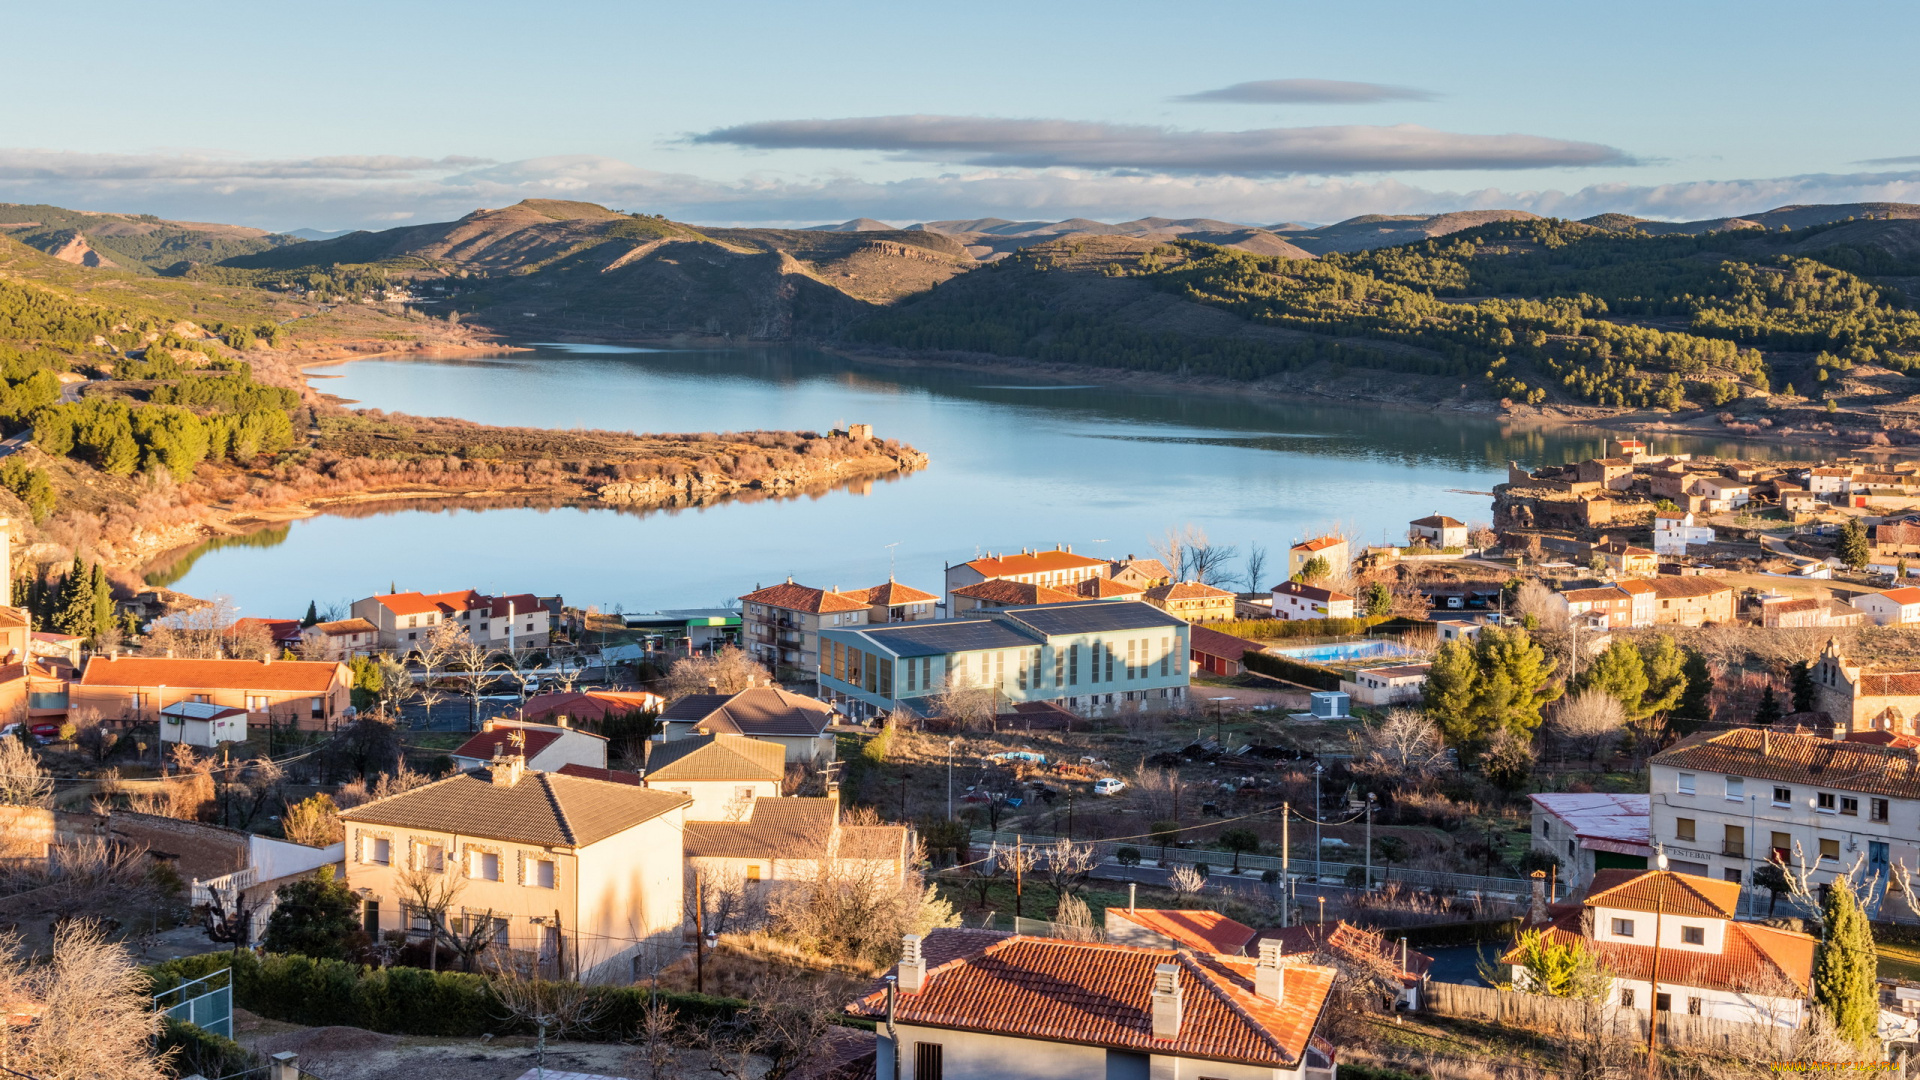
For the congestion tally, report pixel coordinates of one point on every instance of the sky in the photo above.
(369, 115)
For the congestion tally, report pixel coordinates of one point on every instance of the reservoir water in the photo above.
(1016, 462)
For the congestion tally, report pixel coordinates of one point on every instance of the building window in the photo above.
(1683, 829)
(543, 873)
(1093, 666)
(1059, 668)
(484, 865)
(1829, 849)
(753, 872)
(1684, 783)
(1693, 1006)
(1109, 668)
(1073, 665)
(1732, 874)
(370, 918)
(379, 851)
(1623, 928)
(1693, 935)
(1663, 1002)
(1736, 787)
(1824, 802)
(926, 672)
(1782, 796)
(1166, 656)
(1849, 807)
(926, 1061)
(433, 858)
(1877, 809)
(1626, 997)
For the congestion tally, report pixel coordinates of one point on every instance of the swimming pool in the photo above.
(1346, 652)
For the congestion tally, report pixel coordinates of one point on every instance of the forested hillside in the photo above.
(140, 243)
(1536, 310)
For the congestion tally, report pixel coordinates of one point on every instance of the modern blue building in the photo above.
(1096, 657)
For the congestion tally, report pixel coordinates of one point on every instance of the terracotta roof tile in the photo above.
(590, 704)
(1890, 684)
(1214, 643)
(481, 747)
(543, 808)
(1344, 937)
(791, 597)
(1208, 931)
(1147, 568)
(1679, 588)
(284, 676)
(1186, 590)
(346, 626)
(1098, 994)
(1319, 543)
(775, 828)
(1310, 592)
(1908, 595)
(1675, 893)
(1037, 562)
(1799, 759)
(716, 757)
(1752, 958)
(1438, 521)
(1099, 588)
(588, 772)
(762, 711)
(1014, 593)
(895, 593)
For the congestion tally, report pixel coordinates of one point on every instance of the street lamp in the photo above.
(1653, 988)
(1370, 800)
(1318, 850)
(950, 743)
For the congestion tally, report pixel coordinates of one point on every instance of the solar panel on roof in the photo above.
(1092, 617)
(947, 636)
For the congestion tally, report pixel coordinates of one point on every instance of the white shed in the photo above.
(201, 723)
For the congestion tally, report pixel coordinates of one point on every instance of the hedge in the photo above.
(1277, 629)
(1440, 935)
(201, 1051)
(404, 1000)
(1282, 667)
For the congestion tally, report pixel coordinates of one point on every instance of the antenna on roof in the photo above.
(890, 554)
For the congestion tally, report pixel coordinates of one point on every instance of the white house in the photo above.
(1383, 686)
(200, 723)
(1437, 530)
(1892, 607)
(1722, 493)
(546, 747)
(1457, 629)
(976, 1003)
(1828, 481)
(1708, 964)
(722, 774)
(1292, 600)
(1672, 532)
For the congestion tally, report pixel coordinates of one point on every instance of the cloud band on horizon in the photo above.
(1035, 144)
(1305, 92)
(272, 194)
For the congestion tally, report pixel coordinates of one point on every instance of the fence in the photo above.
(1302, 871)
(1537, 1012)
(205, 1002)
(233, 884)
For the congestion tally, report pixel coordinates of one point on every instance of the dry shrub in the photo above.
(95, 1019)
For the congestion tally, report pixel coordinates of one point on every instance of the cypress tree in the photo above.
(313, 614)
(1801, 684)
(1769, 712)
(1844, 980)
(100, 592)
(73, 613)
(1853, 549)
(1696, 701)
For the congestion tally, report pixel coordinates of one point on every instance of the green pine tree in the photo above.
(1621, 674)
(1667, 681)
(100, 593)
(1498, 682)
(1379, 599)
(1769, 712)
(1853, 548)
(313, 614)
(1800, 682)
(73, 612)
(1696, 700)
(1844, 980)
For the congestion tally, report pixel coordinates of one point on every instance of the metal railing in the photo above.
(205, 1002)
(233, 884)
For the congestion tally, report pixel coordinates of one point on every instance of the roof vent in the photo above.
(1166, 1001)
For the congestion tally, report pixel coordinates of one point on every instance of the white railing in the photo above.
(233, 884)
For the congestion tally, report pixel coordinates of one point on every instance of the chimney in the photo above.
(1269, 975)
(1537, 913)
(506, 768)
(1166, 1001)
(487, 724)
(267, 659)
(913, 966)
(561, 721)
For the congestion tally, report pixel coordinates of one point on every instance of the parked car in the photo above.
(1108, 785)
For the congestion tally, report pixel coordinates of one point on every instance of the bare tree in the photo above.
(1590, 720)
(1406, 746)
(552, 1006)
(1174, 547)
(313, 821)
(966, 706)
(470, 664)
(245, 788)
(199, 634)
(1067, 865)
(23, 780)
(1186, 882)
(428, 893)
(1256, 568)
(787, 1027)
(230, 918)
(1208, 563)
(396, 683)
(728, 671)
(654, 1043)
(1073, 919)
(93, 1017)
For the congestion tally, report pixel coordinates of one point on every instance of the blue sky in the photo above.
(366, 115)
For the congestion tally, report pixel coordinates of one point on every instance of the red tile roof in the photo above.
(415, 603)
(1344, 937)
(762, 711)
(481, 746)
(542, 808)
(280, 630)
(1799, 759)
(1032, 562)
(590, 704)
(1908, 595)
(343, 627)
(1438, 521)
(790, 597)
(1320, 543)
(1752, 957)
(1676, 894)
(281, 676)
(1014, 593)
(1890, 684)
(1680, 588)
(1310, 592)
(1186, 590)
(1099, 588)
(1208, 931)
(588, 772)
(895, 593)
(1098, 994)
(1152, 569)
(1214, 643)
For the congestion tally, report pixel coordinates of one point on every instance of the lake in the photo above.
(1016, 462)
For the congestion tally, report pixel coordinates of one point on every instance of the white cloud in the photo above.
(275, 194)
(1307, 92)
(1332, 150)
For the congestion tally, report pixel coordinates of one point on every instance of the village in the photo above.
(1632, 768)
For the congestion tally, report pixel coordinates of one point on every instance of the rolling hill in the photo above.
(141, 243)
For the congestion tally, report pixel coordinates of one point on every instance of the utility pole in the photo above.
(1318, 849)
(1286, 874)
(950, 743)
(699, 936)
(1369, 853)
(1018, 861)
(1653, 988)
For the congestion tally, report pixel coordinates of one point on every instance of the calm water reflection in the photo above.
(1100, 467)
